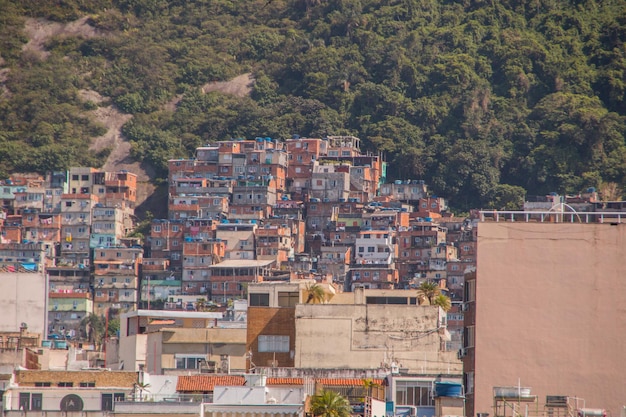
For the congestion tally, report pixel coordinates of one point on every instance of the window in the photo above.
(65, 384)
(259, 300)
(175, 228)
(156, 228)
(87, 384)
(74, 177)
(107, 400)
(36, 402)
(84, 177)
(370, 249)
(468, 382)
(188, 362)
(24, 401)
(288, 299)
(468, 336)
(43, 384)
(414, 393)
(269, 343)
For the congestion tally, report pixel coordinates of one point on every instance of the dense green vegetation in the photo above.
(483, 99)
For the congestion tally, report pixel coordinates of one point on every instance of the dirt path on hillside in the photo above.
(39, 31)
(119, 158)
(239, 86)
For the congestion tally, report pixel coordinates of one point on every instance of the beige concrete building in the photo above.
(181, 342)
(374, 329)
(23, 300)
(546, 311)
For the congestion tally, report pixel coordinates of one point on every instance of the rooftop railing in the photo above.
(552, 216)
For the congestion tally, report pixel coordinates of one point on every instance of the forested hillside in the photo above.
(482, 99)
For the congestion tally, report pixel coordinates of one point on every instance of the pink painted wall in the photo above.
(551, 312)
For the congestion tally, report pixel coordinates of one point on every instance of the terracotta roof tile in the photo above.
(284, 381)
(206, 383)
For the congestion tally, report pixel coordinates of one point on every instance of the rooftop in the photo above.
(242, 263)
(168, 314)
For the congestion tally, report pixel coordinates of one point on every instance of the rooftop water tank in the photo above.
(448, 389)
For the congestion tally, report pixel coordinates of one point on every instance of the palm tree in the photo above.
(330, 404)
(141, 387)
(428, 290)
(442, 301)
(315, 294)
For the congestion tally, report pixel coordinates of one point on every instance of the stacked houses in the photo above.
(69, 229)
(263, 210)
(239, 212)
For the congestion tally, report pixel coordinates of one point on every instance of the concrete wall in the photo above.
(366, 336)
(132, 350)
(23, 298)
(550, 311)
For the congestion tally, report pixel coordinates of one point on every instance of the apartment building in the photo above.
(198, 254)
(23, 299)
(180, 342)
(274, 242)
(166, 241)
(405, 190)
(330, 183)
(158, 282)
(76, 222)
(108, 225)
(116, 279)
(66, 310)
(41, 227)
(271, 330)
(230, 277)
(239, 239)
(57, 393)
(542, 298)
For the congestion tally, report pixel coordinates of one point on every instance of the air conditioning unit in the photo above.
(462, 353)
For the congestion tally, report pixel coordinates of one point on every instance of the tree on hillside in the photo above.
(94, 325)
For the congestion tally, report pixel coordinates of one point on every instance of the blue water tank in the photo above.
(60, 344)
(448, 389)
